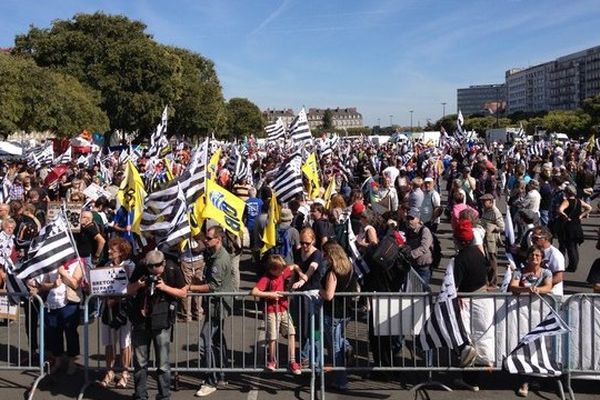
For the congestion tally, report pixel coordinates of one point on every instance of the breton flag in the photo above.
(521, 132)
(531, 354)
(5, 190)
(445, 328)
(49, 250)
(299, 130)
(361, 268)
(536, 148)
(237, 164)
(158, 139)
(275, 131)
(288, 182)
(64, 158)
(171, 224)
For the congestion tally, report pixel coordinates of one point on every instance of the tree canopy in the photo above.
(135, 75)
(38, 99)
(243, 117)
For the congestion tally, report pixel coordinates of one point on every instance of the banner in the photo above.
(93, 191)
(311, 170)
(108, 280)
(224, 207)
(73, 211)
(7, 310)
(213, 165)
(131, 195)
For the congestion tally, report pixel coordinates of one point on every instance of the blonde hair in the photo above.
(308, 231)
(340, 263)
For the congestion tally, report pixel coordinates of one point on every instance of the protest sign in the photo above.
(108, 281)
(94, 191)
(73, 211)
(7, 310)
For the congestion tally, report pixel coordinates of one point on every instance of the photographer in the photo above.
(156, 285)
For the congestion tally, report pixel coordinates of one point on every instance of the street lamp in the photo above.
(444, 110)
(411, 126)
(391, 116)
(378, 121)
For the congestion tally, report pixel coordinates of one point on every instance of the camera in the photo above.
(151, 280)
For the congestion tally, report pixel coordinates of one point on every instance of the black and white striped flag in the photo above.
(288, 181)
(361, 268)
(275, 131)
(521, 132)
(5, 190)
(49, 250)
(531, 354)
(170, 225)
(536, 148)
(445, 327)
(299, 130)
(158, 139)
(14, 285)
(64, 158)
(237, 164)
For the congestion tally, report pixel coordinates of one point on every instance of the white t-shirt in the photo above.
(431, 200)
(478, 235)
(392, 172)
(555, 262)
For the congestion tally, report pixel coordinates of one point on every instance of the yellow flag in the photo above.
(224, 207)
(196, 219)
(213, 165)
(591, 143)
(169, 169)
(329, 192)
(269, 236)
(131, 195)
(311, 170)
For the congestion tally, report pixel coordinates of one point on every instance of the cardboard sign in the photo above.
(73, 213)
(7, 310)
(109, 281)
(94, 191)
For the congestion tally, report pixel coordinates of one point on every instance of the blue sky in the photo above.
(384, 57)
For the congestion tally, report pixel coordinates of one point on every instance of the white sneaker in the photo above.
(205, 390)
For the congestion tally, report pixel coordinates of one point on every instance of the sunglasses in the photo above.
(538, 237)
(409, 218)
(305, 243)
(208, 238)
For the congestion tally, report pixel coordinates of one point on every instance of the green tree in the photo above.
(135, 75)
(39, 99)
(200, 110)
(592, 107)
(327, 120)
(243, 118)
(573, 123)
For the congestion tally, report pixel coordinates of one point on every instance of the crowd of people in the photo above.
(386, 197)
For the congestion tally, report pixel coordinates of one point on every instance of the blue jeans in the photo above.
(311, 309)
(334, 331)
(544, 217)
(424, 272)
(63, 322)
(141, 339)
(214, 346)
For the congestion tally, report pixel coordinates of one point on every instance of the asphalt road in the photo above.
(282, 385)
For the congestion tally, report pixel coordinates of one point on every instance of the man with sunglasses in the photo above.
(218, 279)
(156, 286)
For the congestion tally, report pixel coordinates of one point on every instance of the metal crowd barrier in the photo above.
(582, 349)
(20, 315)
(382, 330)
(243, 334)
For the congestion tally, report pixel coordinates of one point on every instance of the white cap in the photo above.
(428, 179)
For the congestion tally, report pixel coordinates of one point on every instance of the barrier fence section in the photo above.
(354, 332)
(237, 336)
(385, 337)
(582, 349)
(21, 344)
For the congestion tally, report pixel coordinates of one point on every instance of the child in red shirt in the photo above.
(270, 288)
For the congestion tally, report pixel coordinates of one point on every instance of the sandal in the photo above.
(108, 379)
(122, 383)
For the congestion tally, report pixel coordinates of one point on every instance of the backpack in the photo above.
(385, 254)
(283, 243)
(341, 235)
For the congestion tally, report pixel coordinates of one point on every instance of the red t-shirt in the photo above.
(269, 283)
